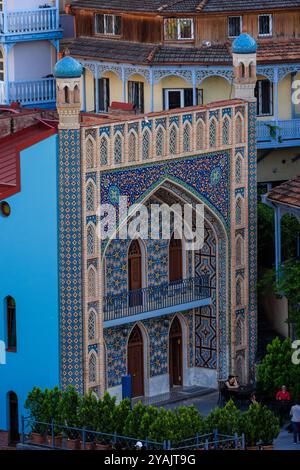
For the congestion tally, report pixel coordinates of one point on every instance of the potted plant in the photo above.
(260, 427)
(35, 404)
(69, 407)
(52, 409)
(87, 414)
(105, 421)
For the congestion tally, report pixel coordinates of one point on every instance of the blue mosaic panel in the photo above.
(199, 174)
(70, 260)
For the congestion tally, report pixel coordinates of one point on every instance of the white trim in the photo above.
(168, 90)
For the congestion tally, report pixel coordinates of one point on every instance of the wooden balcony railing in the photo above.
(29, 92)
(29, 21)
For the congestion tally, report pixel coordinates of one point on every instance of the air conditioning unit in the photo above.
(206, 43)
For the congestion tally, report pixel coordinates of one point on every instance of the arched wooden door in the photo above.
(135, 273)
(136, 361)
(175, 353)
(175, 260)
(13, 417)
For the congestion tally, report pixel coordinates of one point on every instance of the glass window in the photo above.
(108, 24)
(264, 96)
(235, 25)
(136, 95)
(179, 28)
(11, 324)
(265, 25)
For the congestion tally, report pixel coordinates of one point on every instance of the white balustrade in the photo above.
(29, 21)
(32, 91)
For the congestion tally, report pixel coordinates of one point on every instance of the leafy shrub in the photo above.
(225, 420)
(259, 425)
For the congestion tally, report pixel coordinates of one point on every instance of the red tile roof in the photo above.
(10, 148)
(287, 193)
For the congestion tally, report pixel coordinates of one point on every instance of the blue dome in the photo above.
(244, 44)
(68, 68)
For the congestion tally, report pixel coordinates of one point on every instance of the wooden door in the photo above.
(135, 273)
(13, 417)
(175, 353)
(136, 362)
(175, 260)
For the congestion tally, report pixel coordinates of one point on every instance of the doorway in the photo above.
(175, 353)
(13, 417)
(135, 274)
(136, 361)
(104, 94)
(175, 260)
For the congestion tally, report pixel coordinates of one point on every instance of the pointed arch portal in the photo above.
(136, 361)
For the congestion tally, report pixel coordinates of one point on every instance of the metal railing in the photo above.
(156, 297)
(29, 21)
(32, 91)
(58, 436)
(277, 132)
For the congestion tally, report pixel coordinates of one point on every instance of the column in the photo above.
(97, 89)
(194, 87)
(276, 94)
(151, 91)
(277, 215)
(5, 16)
(123, 85)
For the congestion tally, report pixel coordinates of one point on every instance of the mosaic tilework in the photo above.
(70, 260)
(252, 217)
(158, 332)
(193, 173)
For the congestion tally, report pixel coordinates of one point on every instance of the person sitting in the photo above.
(253, 400)
(283, 394)
(231, 383)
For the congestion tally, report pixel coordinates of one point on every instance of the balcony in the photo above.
(155, 301)
(29, 92)
(278, 134)
(37, 21)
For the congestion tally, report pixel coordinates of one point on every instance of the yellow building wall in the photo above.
(216, 89)
(297, 106)
(89, 91)
(115, 87)
(285, 98)
(278, 165)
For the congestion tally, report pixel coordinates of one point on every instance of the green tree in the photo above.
(225, 420)
(121, 413)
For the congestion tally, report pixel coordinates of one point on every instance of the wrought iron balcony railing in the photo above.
(38, 20)
(150, 299)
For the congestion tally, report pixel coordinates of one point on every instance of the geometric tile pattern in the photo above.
(70, 260)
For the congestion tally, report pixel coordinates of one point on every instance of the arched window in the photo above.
(90, 154)
(239, 170)
(67, 94)
(160, 142)
(239, 332)
(200, 135)
(173, 141)
(239, 211)
(175, 259)
(243, 70)
(91, 235)
(11, 324)
(213, 133)
(146, 145)
(92, 283)
(252, 71)
(90, 197)
(226, 131)
(239, 293)
(92, 326)
(239, 251)
(187, 138)
(239, 131)
(118, 149)
(1, 66)
(76, 94)
(132, 147)
(13, 414)
(92, 368)
(104, 150)
(135, 273)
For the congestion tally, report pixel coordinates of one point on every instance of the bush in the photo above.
(277, 369)
(35, 404)
(121, 413)
(105, 415)
(69, 409)
(259, 425)
(225, 420)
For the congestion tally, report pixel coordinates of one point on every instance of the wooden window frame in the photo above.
(228, 25)
(260, 101)
(11, 312)
(178, 37)
(270, 34)
(105, 33)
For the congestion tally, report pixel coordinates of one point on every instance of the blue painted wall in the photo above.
(29, 273)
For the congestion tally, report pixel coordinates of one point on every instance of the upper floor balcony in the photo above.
(157, 300)
(28, 92)
(278, 134)
(40, 22)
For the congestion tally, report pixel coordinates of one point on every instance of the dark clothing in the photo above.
(296, 431)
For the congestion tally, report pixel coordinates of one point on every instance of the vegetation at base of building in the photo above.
(142, 422)
(277, 369)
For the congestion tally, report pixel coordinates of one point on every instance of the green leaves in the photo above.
(259, 425)
(225, 420)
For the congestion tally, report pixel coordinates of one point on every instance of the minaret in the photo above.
(68, 73)
(244, 64)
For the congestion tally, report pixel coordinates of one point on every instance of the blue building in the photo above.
(29, 43)
(29, 268)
